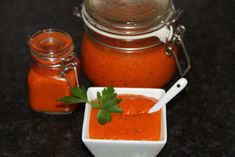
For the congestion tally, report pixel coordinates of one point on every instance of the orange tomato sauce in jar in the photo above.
(133, 124)
(46, 83)
(113, 62)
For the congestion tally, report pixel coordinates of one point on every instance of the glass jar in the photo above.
(131, 43)
(54, 69)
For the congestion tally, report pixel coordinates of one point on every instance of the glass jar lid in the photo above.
(128, 17)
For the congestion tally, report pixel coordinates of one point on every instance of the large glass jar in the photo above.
(130, 43)
(52, 72)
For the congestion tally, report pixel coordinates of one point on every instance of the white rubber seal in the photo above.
(164, 34)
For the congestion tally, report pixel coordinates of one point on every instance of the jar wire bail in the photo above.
(177, 39)
(69, 63)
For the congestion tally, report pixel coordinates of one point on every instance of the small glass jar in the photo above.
(131, 43)
(54, 69)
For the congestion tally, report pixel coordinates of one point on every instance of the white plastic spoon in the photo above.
(171, 93)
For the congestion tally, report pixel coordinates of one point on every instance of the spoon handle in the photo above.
(171, 93)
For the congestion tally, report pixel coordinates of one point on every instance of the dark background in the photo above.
(201, 120)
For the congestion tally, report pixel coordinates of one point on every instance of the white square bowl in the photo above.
(124, 148)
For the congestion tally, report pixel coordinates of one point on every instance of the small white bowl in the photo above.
(124, 148)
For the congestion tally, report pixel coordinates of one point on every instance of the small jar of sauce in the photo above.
(54, 69)
(131, 43)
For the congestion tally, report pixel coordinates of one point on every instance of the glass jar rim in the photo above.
(47, 54)
(129, 27)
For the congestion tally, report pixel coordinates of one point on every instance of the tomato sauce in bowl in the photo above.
(133, 124)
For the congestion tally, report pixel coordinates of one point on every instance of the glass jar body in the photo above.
(46, 86)
(130, 66)
(53, 71)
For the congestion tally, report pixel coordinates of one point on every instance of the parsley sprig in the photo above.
(106, 102)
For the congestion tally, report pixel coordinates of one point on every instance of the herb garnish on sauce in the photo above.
(106, 102)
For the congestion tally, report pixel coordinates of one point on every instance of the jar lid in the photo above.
(128, 17)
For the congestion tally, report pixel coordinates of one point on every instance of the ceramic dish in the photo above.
(124, 148)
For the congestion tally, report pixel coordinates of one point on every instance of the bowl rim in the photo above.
(85, 126)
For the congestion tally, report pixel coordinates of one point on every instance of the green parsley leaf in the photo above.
(114, 109)
(70, 100)
(95, 104)
(108, 93)
(99, 97)
(104, 116)
(79, 92)
(106, 102)
(107, 97)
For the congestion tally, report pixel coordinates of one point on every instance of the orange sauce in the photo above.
(45, 88)
(133, 124)
(105, 66)
(45, 85)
